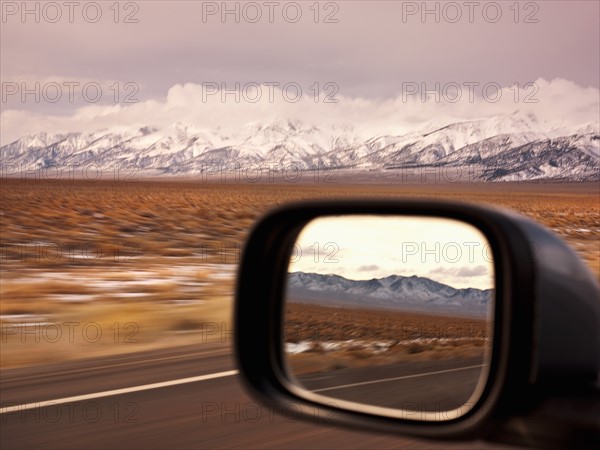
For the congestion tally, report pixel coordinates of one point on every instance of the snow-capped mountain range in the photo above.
(504, 148)
(392, 292)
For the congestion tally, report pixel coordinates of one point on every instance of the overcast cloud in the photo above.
(371, 54)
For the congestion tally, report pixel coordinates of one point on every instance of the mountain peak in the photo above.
(516, 146)
(391, 292)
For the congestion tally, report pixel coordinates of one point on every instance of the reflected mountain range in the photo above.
(394, 292)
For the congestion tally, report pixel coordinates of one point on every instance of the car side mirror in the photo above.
(432, 319)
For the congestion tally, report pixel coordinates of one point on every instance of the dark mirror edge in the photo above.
(511, 372)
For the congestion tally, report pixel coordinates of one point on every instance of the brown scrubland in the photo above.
(339, 337)
(152, 263)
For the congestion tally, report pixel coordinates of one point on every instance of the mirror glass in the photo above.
(390, 314)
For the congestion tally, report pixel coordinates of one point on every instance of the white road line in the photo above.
(395, 378)
(145, 387)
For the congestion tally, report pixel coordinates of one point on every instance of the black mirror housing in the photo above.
(547, 316)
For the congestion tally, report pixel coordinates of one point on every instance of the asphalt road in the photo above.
(438, 385)
(177, 398)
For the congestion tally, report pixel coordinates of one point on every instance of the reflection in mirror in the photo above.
(390, 312)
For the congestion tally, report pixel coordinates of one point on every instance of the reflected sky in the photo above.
(365, 247)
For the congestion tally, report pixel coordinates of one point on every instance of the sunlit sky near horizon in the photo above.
(362, 247)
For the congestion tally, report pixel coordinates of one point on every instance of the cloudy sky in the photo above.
(366, 247)
(159, 62)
